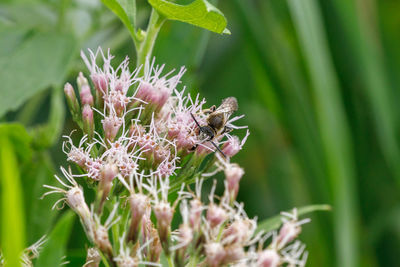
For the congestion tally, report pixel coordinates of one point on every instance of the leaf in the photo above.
(12, 211)
(118, 9)
(55, 248)
(46, 135)
(39, 216)
(276, 221)
(334, 127)
(199, 13)
(39, 62)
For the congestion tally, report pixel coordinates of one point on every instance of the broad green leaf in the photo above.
(12, 210)
(39, 62)
(120, 8)
(276, 221)
(199, 13)
(55, 248)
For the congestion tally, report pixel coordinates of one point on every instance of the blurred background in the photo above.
(317, 80)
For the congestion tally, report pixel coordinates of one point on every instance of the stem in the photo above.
(170, 260)
(145, 48)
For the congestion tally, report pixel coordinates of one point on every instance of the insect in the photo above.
(217, 121)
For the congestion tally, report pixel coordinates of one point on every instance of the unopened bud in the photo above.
(111, 126)
(289, 231)
(233, 254)
(107, 174)
(155, 247)
(215, 253)
(216, 215)
(84, 90)
(93, 258)
(233, 174)
(139, 203)
(100, 82)
(231, 147)
(81, 81)
(268, 258)
(164, 213)
(87, 118)
(76, 201)
(72, 101)
(196, 208)
(102, 241)
(126, 261)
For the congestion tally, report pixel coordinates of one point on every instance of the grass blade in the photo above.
(12, 211)
(333, 126)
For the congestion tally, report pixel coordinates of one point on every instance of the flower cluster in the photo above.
(144, 155)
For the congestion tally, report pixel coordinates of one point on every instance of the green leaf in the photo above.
(199, 13)
(55, 248)
(39, 62)
(121, 9)
(46, 135)
(12, 211)
(276, 221)
(39, 216)
(334, 127)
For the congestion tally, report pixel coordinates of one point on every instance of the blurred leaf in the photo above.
(366, 48)
(122, 8)
(46, 135)
(333, 126)
(13, 140)
(19, 138)
(55, 248)
(39, 62)
(199, 13)
(275, 222)
(28, 15)
(39, 215)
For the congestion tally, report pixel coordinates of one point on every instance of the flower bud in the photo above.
(84, 90)
(102, 241)
(76, 201)
(196, 208)
(107, 174)
(138, 204)
(72, 101)
(164, 213)
(100, 82)
(288, 232)
(268, 258)
(233, 254)
(155, 246)
(216, 215)
(93, 258)
(215, 253)
(233, 174)
(239, 232)
(111, 125)
(231, 147)
(81, 80)
(126, 261)
(87, 118)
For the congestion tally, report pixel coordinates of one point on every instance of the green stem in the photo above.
(145, 48)
(170, 261)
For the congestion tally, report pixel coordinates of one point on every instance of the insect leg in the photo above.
(219, 150)
(195, 120)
